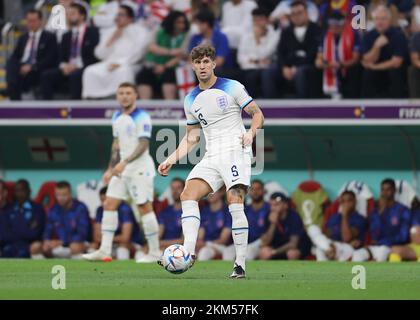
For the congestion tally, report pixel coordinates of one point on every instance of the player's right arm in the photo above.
(190, 140)
(113, 161)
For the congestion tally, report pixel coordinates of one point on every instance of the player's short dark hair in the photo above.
(128, 10)
(296, 3)
(80, 8)
(24, 183)
(260, 11)
(260, 182)
(203, 50)
(128, 85)
(206, 16)
(103, 190)
(279, 196)
(63, 185)
(35, 11)
(390, 182)
(178, 179)
(348, 193)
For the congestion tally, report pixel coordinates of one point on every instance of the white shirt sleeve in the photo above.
(191, 119)
(241, 96)
(144, 126)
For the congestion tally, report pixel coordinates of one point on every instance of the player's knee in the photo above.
(145, 208)
(236, 194)
(35, 248)
(293, 254)
(265, 253)
(111, 204)
(77, 248)
(189, 194)
(397, 249)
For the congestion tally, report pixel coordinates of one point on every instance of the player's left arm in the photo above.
(257, 122)
(140, 149)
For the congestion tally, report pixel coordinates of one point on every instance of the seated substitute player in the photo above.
(170, 229)
(130, 174)
(257, 214)
(344, 231)
(127, 236)
(215, 105)
(21, 223)
(389, 225)
(285, 237)
(410, 251)
(216, 227)
(68, 227)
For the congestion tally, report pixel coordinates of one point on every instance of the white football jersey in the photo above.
(128, 128)
(218, 111)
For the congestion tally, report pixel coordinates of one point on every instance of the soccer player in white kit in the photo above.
(215, 106)
(130, 175)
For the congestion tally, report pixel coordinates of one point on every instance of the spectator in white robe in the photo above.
(106, 14)
(120, 51)
(237, 19)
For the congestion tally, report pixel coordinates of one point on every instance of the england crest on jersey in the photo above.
(222, 102)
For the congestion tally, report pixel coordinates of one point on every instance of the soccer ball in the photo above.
(176, 259)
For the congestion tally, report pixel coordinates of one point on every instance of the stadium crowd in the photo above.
(278, 49)
(305, 226)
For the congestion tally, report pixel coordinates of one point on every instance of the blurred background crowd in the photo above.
(355, 226)
(278, 49)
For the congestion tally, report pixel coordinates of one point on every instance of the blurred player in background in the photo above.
(127, 236)
(21, 223)
(285, 238)
(411, 251)
(346, 231)
(216, 228)
(215, 105)
(130, 175)
(170, 229)
(389, 225)
(68, 227)
(257, 213)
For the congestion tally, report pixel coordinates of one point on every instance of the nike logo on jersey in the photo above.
(237, 234)
(197, 110)
(235, 179)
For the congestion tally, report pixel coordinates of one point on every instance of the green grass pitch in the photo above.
(29, 279)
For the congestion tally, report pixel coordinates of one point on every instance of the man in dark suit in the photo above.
(35, 52)
(296, 54)
(76, 53)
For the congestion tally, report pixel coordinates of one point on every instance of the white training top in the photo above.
(128, 129)
(218, 111)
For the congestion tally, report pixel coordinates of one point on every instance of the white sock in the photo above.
(38, 256)
(318, 238)
(151, 231)
(190, 224)
(78, 256)
(239, 232)
(360, 255)
(123, 253)
(61, 252)
(109, 226)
